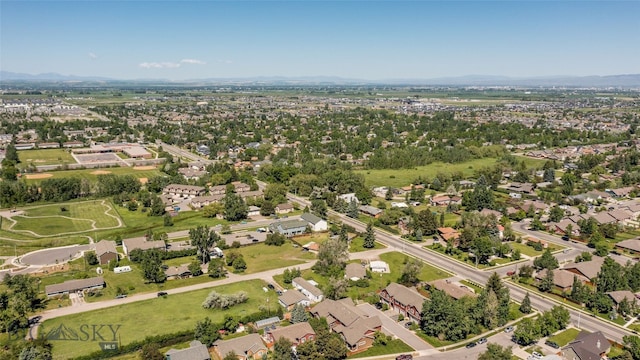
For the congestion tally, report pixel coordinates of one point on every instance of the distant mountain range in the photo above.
(624, 81)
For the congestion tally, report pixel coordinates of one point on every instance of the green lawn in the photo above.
(50, 220)
(21, 247)
(357, 243)
(261, 257)
(530, 251)
(395, 346)
(44, 157)
(176, 312)
(564, 337)
(89, 173)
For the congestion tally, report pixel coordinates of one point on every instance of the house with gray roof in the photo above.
(316, 223)
(631, 245)
(290, 298)
(106, 251)
(128, 245)
(587, 346)
(70, 286)
(245, 347)
(355, 271)
(289, 228)
(308, 289)
(195, 351)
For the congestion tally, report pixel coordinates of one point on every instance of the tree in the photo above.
(482, 248)
(556, 214)
(549, 175)
(332, 257)
(167, 220)
(344, 234)
(151, 351)
(151, 265)
(389, 194)
(527, 332)
(546, 284)
(632, 345)
(445, 317)
(319, 207)
(525, 306)
(481, 197)
(335, 348)
(9, 171)
(282, 349)
(308, 351)
(275, 239)
(91, 258)
(212, 210)
(426, 221)
(36, 352)
(235, 208)
(496, 352)
(195, 268)
(336, 288)
(579, 291)
(611, 276)
(352, 209)
(11, 153)
(369, 237)
(267, 208)
(216, 269)
(525, 272)
(239, 265)
(299, 314)
(203, 239)
(546, 261)
(231, 356)
(410, 272)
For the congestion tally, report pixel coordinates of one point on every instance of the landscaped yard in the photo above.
(395, 346)
(564, 337)
(176, 312)
(357, 242)
(530, 251)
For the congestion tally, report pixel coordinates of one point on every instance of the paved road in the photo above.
(581, 318)
(176, 151)
(54, 256)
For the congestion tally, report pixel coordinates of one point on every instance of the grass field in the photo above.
(261, 257)
(77, 217)
(564, 337)
(530, 251)
(176, 312)
(404, 177)
(45, 157)
(87, 173)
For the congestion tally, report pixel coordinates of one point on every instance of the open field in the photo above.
(44, 157)
(91, 175)
(261, 257)
(77, 217)
(404, 177)
(148, 318)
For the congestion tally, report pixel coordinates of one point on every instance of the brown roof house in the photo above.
(621, 295)
(70, 286)
(195, 351)
(290, 298)
(245, 347)
(631, 245)
(284, 208)
(297, 333)
(356, 328)
(106, 251)
(587, 346)
(128, 245)
(406, 301)
(452, 289)
(562, 279)
(355, 271)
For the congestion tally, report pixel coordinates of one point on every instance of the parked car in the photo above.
(408, 324)
(511, 273)
(536, 355)
(404, 357)
(378, 305)
(121, 296)
(552, 344)
(482, 341)
(470, 345)
(162, 293)
(509, 329)
(270, 286)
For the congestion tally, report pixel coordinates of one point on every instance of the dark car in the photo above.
(482, 341)
(270, 286)
(378, 306)
(163, 293)
(408, 324)
(470, 345)
(552, 344)
(404, 357)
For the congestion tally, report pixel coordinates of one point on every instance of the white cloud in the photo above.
(159, 65)
(92, 56)
(225, 61)
(193, 61)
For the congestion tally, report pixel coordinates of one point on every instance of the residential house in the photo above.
(445, 200)
(106, 251)
(183, 190)
(284, 208)
(71, 286)
(308, 289)
(289, 228)
(191, 174)
(631, 245)
(218, 190)
(587, 346)
(379, 266)
(348, 198)
(404, 300)
(298, 333)
(355, 271)
(253, 211)
(290, 298)
(315, 222)
(202, 201)
(195, 351)
(178, 272)
(489, 212)
(621, 192)
(240, 187)
(48, 145)
(370, 210)
(245, 347)
(449, 234)
(562, 279)
(589, 269)
(522, 188)
(452, 289)
(128, 245)
(356, 328)
(619, 296)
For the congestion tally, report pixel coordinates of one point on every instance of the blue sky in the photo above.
(372, 40)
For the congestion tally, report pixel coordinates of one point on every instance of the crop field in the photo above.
(404, 177)
(60, 219)
(92, 174)
(44, 157)
(150, 317)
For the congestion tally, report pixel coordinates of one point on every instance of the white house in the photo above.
(308, 289)
(315, 222)
(379, 266)
(348, 197)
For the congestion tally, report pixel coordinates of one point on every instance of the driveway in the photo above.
(54, 256)
(391, 327)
